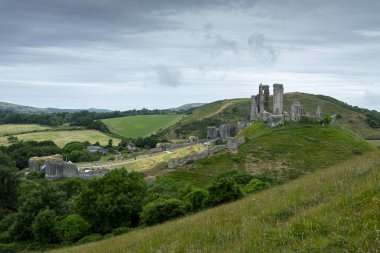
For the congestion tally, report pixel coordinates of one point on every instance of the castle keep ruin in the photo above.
(55, 167)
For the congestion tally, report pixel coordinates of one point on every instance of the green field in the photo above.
(330, 210)
(12, 129)
(140, 126)
(285, 152)
(64, 136)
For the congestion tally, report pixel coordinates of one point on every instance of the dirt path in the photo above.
(221, 109)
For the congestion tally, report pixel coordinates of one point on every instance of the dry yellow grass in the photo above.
(62, 137)
(9, 129)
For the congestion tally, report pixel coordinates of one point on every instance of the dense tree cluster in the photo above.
(64, 212)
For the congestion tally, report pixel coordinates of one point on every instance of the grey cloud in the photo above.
(168, 76)
(262, 49)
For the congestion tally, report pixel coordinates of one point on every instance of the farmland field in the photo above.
(64, 136)
(9, 129)
(140, 126)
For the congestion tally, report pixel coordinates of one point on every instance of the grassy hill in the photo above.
(331, 210)
(61, 137)
(140, 126)
(235, 110)
(284, 152)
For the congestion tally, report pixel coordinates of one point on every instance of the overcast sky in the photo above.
(125, 54)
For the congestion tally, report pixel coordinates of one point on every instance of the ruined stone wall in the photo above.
(275, 120)
(57, 168)
(212, 133)
(37, 163)
(180, 161)
(93, 173)
(234, 143)
(226, 130)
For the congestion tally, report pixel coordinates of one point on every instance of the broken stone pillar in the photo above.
(212, 133)
(254, 109)
(263, 98)
(278, 98)
(225, 131)
(319, 113)
(334, 121)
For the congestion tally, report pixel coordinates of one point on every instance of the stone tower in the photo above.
(254, 109)
(278, 98)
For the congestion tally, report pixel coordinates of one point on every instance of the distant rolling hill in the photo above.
(235, 110)
(187, 107)
(8, 107)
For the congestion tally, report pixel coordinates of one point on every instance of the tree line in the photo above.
(87, 119)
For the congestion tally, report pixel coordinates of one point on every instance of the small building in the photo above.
(98, 149)
(131, 146)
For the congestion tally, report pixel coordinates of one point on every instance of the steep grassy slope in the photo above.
(140, 126)
(234, 110)
(283, 152)
(331, 210)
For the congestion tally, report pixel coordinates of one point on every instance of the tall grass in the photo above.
(336, 209)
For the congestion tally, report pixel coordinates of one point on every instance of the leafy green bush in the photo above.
(72, 228)
(223, 190)
(91, 238)
(162, 210)
(255, 185)
(8, 248)
(241, 177)
(35, 175)
(197, 198)
(43, 227)
(120, 231)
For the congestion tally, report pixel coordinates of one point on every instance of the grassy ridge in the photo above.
(140, 126)
(62, 137)
(331, 210)
(284, 152)
(234, 110)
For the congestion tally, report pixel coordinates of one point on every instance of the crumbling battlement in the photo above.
(180, 161)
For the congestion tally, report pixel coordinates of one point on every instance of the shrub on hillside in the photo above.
(112, 201)
(223, 190)
(162, 210)
(197, 198)
(72, 228)
(91, 238)
(241, 177)
(255, 185)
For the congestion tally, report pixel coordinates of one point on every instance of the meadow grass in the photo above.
(141, 125)
(12, 129)
(335, 209)
(62, 137)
